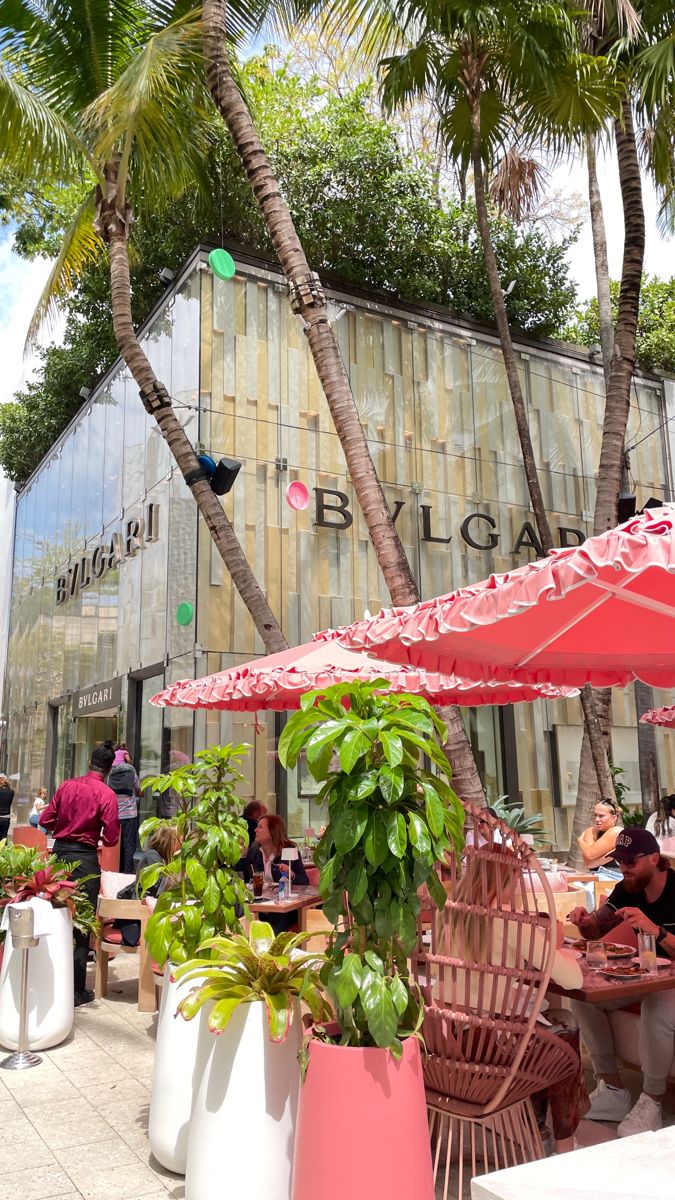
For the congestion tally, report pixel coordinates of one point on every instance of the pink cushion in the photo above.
(313, 875)
(557, 881)
(110, 934)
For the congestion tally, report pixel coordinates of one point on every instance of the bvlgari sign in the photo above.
(124, 543)
(99, 697)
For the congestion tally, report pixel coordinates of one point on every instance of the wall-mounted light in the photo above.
(85, 393)
(166, 275)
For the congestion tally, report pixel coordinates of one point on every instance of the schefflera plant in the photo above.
(203, 897)
(390, 822)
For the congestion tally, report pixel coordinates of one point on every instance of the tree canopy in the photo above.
(366, 213)
(656, 324)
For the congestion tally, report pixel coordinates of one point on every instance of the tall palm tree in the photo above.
(309, 303)
(115, 97)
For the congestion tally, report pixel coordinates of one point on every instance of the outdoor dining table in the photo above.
(596, 987)
(299, 901)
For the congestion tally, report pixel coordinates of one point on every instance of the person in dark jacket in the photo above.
(160, 848)
(6, 798)
(264, 857)
(252, 813)
(124, 782)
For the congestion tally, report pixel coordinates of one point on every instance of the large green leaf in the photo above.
(197, 875)
(345, 983)
(380, 1011)
(279, 1014)
(375, 843)
(349, 826)
(357, 882)
(211, 896)
(219, 1017)
(391, 781)
(393, 748)
(418, 833)
(397, 837)
(434, 809)
(354, 745)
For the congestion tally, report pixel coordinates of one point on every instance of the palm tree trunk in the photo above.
(606, 322)
(617, 403)
(501, 318)
(617, 406)
(157, 402)
(308, 301)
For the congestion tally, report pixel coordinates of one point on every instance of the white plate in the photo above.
(660, 962)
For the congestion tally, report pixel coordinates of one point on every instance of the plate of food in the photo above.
(660, 962)
(625, 971)
(612, 949)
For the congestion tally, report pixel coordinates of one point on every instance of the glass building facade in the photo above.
(108, 544)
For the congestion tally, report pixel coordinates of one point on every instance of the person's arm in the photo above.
(110, 822)
(597, 924)
(641, 923)
(601, 849)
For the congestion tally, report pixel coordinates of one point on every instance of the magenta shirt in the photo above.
(83, 810)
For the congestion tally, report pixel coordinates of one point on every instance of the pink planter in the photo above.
(362, 1126)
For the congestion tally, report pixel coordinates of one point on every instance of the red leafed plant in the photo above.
(24, 875)
(50, 883)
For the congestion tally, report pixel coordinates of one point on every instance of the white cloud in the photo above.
(21, 284)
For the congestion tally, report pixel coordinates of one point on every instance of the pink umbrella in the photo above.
(280, 680)
(601, 613)
(660, 716)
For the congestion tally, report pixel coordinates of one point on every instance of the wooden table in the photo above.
(301, 899)
(596, 988)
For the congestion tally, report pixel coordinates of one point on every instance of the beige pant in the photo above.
(657, 1036)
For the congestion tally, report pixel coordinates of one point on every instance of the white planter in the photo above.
(243, 1122)
(50, 984)
(180, 1054)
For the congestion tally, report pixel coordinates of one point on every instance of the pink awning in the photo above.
(601, 613)
(660, 716)
(279, 680)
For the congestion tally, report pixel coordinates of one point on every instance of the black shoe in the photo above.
(84, 997)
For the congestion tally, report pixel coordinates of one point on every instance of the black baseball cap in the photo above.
(632, 842)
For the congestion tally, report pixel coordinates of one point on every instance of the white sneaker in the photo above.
(644, 1117)
(608, 1103)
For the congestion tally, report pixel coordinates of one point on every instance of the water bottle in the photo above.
(282, 888)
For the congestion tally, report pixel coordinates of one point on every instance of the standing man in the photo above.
(646, 899)
(81, 813)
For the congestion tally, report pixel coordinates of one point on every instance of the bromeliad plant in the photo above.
(390, 822)
(258, 967)
(203, 896)
(24, 874)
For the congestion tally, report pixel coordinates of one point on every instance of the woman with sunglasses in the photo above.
(598, 841)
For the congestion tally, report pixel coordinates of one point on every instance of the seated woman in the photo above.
(160, 848)
(662, 822)
(264, 858)
(598, 841)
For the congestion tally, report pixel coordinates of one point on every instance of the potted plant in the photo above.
(26, 875)
(252, 988)
(391, 820)
(202, 897)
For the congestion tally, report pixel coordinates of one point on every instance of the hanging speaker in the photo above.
(224, 476)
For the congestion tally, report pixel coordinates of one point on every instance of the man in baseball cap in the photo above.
(645, 898)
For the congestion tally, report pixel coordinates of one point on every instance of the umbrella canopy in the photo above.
(660, 716)
(602, 613)
(280, 680)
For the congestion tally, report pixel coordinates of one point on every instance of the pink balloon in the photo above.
(297, 495)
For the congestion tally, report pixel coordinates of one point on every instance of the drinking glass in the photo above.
(258, 881)
(647, 951)
(596, 956)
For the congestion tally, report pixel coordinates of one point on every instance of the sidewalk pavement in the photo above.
(75, 1127)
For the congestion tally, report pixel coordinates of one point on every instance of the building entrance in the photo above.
(88, 733)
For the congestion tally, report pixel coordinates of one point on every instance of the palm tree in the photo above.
(116, 99)
(309, 303)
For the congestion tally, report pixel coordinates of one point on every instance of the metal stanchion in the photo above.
(21, 926)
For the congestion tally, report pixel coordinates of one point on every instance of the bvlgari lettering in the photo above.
(135, 535)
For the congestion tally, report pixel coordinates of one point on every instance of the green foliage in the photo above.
(364, 211)
(23, 868)
(631, 816)
(390, 821)
(260, 967)
(203, 895)
(655, 347)
(516, 818)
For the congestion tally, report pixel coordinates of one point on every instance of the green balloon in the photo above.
(222, 264)
(185, 612)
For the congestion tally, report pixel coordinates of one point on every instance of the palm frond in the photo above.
(80, 246)
(37, 143)
(157, 114)
(620, 14)
(517, 184)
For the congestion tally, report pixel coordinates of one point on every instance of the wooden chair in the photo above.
(128, 910)
(603, 888)
(483, 974)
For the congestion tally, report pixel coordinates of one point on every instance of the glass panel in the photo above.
(64, 521)
(149, 751)
(114, 443)
(80, 440)
(95, 459)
